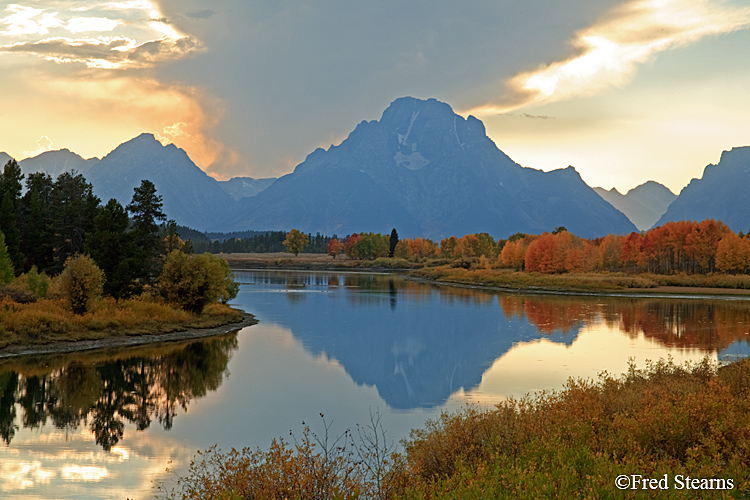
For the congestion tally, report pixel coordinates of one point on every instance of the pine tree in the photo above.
(111, 246)
(146, 210)
(36, 207)
(393, 242)
(74, 207)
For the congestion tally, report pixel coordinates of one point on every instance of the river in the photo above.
(107, 424)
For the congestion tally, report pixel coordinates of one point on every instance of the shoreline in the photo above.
(323, 263)
(124, 340)
(668, 292)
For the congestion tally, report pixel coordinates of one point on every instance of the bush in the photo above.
(194, 281)
(82, 282)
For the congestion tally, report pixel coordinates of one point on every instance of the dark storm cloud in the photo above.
(297, 75)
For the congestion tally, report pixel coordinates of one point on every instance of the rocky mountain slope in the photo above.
(722, 193)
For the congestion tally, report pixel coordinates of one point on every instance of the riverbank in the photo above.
(588, 284)
(128, 341)
(506, 279)
(47, 326)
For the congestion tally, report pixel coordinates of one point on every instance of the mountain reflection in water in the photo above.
(419, 343)
(104, 390)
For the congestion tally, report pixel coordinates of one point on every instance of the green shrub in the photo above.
(194, 281)
(82, 282)
(37, 282)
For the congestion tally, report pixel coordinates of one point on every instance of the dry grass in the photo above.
(668, 419)
(503, 278)
(50, 320)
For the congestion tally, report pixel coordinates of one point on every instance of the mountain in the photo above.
(242, 187)
(190, 196)
(57, 162)
(722, 193)
(428, 172)
(643, 204)
(4, 158)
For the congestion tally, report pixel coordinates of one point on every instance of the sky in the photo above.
(623, 90)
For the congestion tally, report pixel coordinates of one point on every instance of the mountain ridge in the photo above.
(719, 194)
(643, 204)
(424, 169)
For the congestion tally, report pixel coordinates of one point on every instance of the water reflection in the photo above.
(444, 339)
(107, 390)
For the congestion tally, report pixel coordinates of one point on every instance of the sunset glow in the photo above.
(251, 89)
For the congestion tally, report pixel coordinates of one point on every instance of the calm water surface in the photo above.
(107, 424)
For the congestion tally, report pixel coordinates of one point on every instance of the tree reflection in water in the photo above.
(709, 325)
(107, 389)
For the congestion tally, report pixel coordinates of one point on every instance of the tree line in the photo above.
(264, 242)
(59, 227)
(688, 247)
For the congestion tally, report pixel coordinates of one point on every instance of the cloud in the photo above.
(201, 14)
(87, 24)
(610, 51)
(43, 144)
(114, 52)
(20, 21)
(139, 35)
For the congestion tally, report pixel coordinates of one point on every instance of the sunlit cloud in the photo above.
(21, 21)
(87, 24)
(43, 144)
(140, 37)
(610, 51)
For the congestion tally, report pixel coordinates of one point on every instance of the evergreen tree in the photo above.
(393, 242)
(10, 230)
(11, 180)
(10, 194)
(146, 210)
(74, 207)
(111, 246)
(36, 207)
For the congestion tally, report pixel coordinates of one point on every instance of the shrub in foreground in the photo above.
(82, 282)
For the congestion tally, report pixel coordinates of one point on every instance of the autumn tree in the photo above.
(295, 241)
(82, 282)
(350, 246)
(194, 281)
(335, 247)
(513, 254)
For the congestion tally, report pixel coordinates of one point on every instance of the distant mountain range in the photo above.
(56, 162)
(643, 205)
(422, 169)
(721, 194)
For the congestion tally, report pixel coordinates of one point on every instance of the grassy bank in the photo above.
(51, 320)
(665, 422)
(581, 282)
